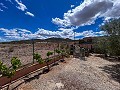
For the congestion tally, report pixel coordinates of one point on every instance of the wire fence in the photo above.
(25, 50)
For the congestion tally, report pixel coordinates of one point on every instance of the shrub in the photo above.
(38, 58)
(15, 63)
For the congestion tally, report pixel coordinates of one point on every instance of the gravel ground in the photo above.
(74, 74)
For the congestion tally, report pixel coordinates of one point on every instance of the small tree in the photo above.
(48, 58)
(38, 58)
(15, 63)
(62, 53)
(58, 52)
(10, 72)
(112, 28)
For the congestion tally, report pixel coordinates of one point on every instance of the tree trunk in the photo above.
(9, 84)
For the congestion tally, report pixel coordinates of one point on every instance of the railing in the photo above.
(26, 70)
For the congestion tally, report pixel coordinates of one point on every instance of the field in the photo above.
(24, 51)
(89, 73)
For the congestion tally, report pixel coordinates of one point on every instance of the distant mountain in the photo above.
(38, 40)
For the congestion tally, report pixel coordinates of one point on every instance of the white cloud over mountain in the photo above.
(87, 12)
(23, 34)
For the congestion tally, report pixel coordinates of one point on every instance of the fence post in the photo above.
(33, 49)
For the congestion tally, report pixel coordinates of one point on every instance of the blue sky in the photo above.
(27, 19)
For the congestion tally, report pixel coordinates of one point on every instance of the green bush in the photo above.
(38, 58)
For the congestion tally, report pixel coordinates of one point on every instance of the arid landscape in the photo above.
(25, 51)
(93, 73)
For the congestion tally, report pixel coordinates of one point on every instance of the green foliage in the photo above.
(15, 63)
(1, 64)
(9, 72)
(62, 46)
(38, 58)
(112, 28)
(58, 51)
(101, 45)
(49, 53)
(48, 59)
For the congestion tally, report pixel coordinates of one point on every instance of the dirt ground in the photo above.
(92, 73)
(24, 52)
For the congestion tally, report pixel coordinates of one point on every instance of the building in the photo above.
(86, 43)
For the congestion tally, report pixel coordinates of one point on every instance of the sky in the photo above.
(41, 19)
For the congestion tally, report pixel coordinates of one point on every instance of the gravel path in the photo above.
(75, 74)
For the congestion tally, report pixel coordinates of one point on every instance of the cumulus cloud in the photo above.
(30, 14)
(88, 11)
(23, 34)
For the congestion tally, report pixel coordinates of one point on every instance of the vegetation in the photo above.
(38, 58)
(113, 30)
(111, 43)
(58, 51)
(48, 58)
(10, 72)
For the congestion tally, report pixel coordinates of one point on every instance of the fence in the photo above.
(22, 72)
(24, 51)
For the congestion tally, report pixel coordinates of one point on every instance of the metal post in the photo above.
(74, 45)
(33, 49)
(54, 49)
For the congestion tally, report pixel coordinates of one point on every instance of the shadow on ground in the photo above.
(111, 59)
(113, 71)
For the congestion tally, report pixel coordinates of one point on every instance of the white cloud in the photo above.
(88, 11)
(21, 6)
(30, 14)
(23, 34)
(9, 1)
(1, 10)
(3, 6)
(72, 6)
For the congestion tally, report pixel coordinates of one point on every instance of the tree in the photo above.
(38, 58)
(48, 58)
(112, 28)
(58, 51)
(101, 45)
(10, 72)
